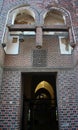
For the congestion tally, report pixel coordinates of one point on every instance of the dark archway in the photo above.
(39, 105)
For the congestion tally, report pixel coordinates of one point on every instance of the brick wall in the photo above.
(67, 96)
(53, 56)
(11, 100)
(10, 106)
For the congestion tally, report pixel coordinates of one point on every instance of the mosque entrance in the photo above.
(39, 101)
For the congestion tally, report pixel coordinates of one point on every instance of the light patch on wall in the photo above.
(65, 47)
(57, 33)
(13, 45)
(24, 33)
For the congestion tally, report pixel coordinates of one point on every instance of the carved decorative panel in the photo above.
(39, 58)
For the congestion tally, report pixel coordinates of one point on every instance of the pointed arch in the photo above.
(47, 86)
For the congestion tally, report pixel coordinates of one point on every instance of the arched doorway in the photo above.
(39, 103)
(44, 112)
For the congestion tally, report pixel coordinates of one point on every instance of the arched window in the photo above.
(55, 21)
(54, 17)
(18, 18)
(24, 17)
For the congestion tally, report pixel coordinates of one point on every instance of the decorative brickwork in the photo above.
(39, 58)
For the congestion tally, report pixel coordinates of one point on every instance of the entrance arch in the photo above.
(44, 112)
(39, 103)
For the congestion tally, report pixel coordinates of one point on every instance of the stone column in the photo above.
(39, 37)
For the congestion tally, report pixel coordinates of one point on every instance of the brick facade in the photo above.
(10, 112)
(50, 45)
(67, 100)
(66, 66)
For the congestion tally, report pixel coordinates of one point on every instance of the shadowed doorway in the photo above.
(39, 101)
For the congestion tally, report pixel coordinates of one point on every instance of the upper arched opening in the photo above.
(24, 17)
(54, 17)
